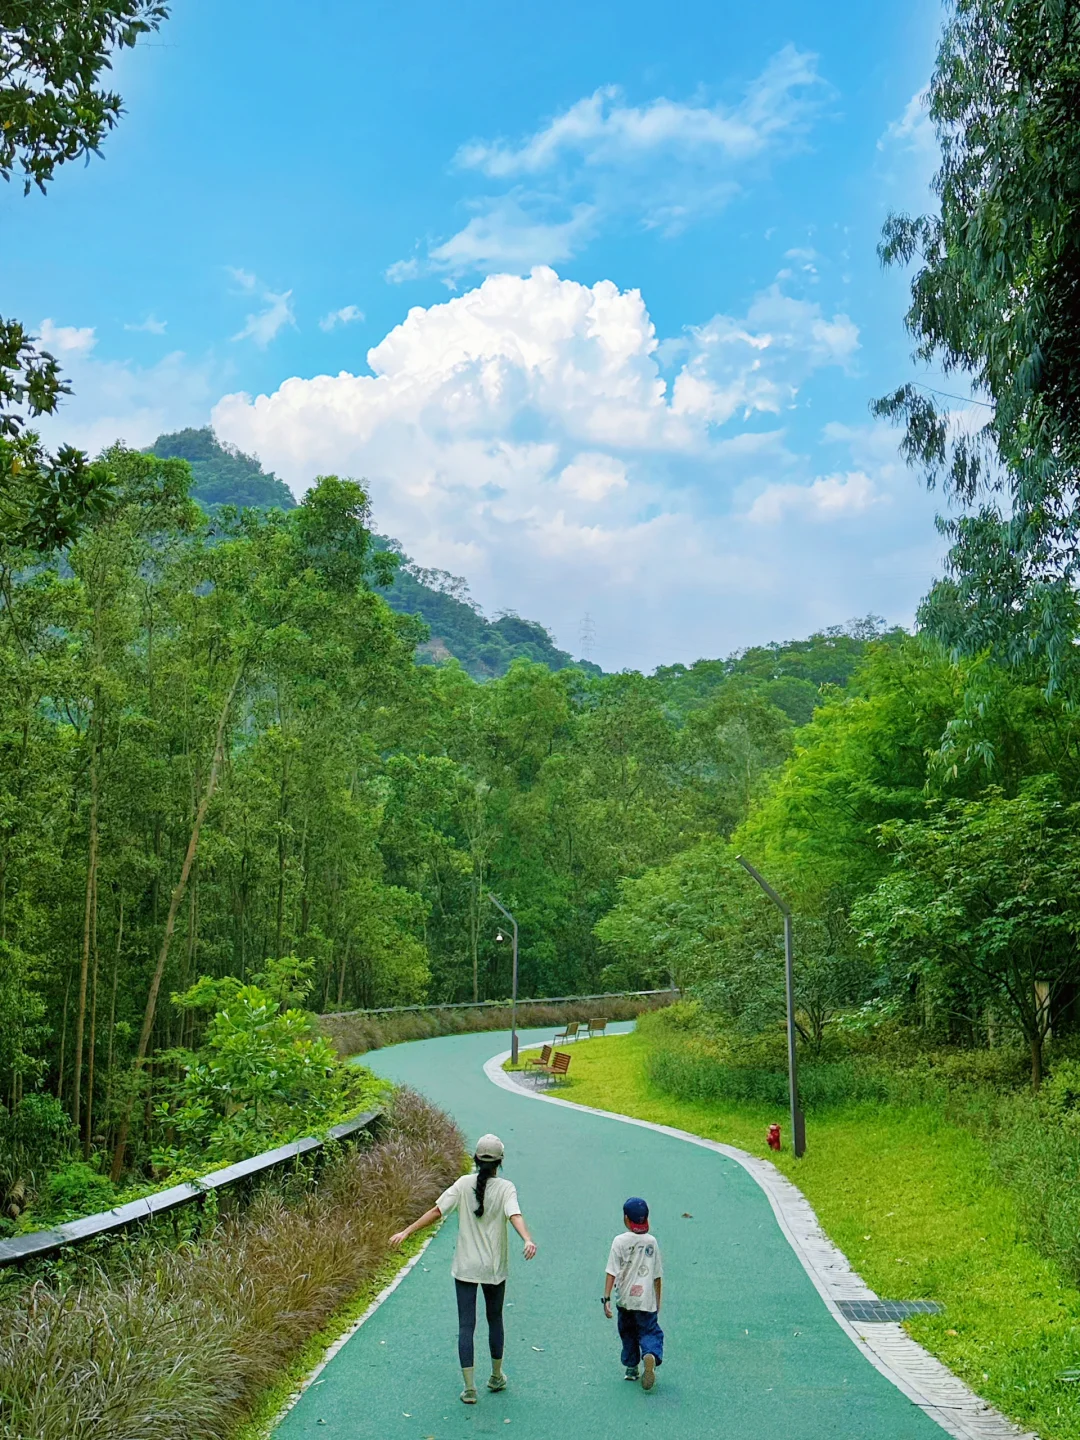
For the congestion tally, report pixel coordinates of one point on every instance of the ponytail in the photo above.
(485, 1170)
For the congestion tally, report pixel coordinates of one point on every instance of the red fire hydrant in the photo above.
(772, 1135)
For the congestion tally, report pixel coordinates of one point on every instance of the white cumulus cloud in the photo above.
(66, 340)
(117, 400)
(828, 498)
(531, 435)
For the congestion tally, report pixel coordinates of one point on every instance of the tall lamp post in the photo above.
(514, 984)
(798, 1122)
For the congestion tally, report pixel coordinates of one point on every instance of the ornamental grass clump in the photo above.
(159, 1343)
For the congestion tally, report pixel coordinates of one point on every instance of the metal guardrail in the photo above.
(495, 1004)
(43, 1242)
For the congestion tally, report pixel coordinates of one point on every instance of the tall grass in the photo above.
(176, 1343)
(1033, 1141)
(950, 1079)
(358, 1031)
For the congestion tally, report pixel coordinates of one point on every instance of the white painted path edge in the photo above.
(890, 1349)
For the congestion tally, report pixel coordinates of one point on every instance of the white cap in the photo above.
(489, 1147)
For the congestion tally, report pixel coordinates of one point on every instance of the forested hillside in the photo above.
(223, 475)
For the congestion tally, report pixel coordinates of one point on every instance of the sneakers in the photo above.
(648, 1380)
(468, 1395)
(631, 1372)
(497, 1383)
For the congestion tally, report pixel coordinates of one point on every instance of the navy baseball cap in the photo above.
(637, 1214)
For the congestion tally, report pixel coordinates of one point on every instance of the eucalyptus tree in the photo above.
(995, 301)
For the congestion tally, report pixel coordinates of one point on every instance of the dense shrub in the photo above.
(176, 1343)
(689, 1075)
(75, 1189)
(1036, 1150)
(35, 1136)
(357, 1031)
(692, 1060)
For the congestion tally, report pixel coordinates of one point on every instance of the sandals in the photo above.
(468, 1395)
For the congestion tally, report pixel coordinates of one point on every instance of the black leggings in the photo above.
(466, 1314)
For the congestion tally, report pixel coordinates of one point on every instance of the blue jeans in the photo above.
(640, 1333)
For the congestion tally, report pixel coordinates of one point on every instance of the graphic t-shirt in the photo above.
(635, 1262)
(483, 1252)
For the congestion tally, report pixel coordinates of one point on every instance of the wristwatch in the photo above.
(605, 1299)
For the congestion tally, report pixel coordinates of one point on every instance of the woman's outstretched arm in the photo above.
(428, 1218)
(518, 1222)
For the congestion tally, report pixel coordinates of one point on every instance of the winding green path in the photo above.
(751, 1353)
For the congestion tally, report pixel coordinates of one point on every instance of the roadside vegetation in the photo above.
(160, 1340)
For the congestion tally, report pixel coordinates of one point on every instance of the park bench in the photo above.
(570, 1033)
(558, 1066)
(597, 1027)
(541, 1060)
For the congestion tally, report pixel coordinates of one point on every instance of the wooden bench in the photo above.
(542, 1059)
(558, 1066)
(597, 1027)
(570, 1033)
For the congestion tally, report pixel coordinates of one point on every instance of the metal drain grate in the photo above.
(880, 1311)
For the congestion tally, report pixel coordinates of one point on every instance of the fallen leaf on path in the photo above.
(686, 1215)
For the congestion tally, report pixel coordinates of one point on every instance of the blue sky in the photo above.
(589, 294)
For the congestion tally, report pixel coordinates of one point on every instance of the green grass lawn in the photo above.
(913, 1203)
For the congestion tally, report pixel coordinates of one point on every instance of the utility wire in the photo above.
(964, 399)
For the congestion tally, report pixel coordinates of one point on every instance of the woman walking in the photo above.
(484, 1203)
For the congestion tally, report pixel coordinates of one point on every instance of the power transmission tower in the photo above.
(587, 636)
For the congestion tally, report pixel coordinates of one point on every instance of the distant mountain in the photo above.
(460, 629)
(224, 475)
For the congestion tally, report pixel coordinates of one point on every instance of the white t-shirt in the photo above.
(635, 1262)
(483, 1252)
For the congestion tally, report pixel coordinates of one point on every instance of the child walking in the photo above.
(485, 1203)
(636, 1272)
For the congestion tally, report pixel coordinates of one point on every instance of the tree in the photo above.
(52, 54)
(52, 109)
(698, 923)
(996, 299)
(262, 1074)
(982, 903)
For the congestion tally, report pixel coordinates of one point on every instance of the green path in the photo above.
(751, 1351)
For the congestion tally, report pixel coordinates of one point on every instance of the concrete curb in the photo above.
(919, 1375)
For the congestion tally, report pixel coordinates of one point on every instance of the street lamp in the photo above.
(798, 1122)
(514, 985)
